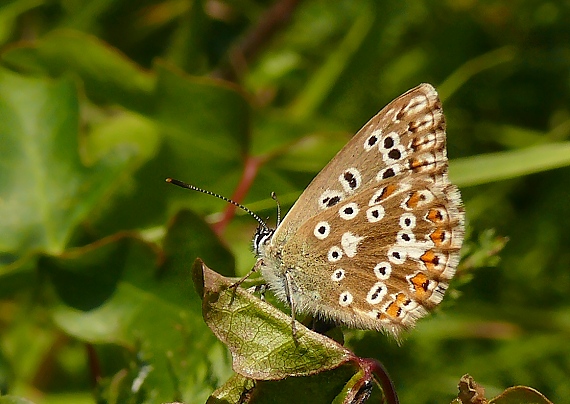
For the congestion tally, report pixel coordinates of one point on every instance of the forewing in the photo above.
(406, 135)
(376, 235)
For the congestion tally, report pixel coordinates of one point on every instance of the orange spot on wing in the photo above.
(435, 216)
(395, 309)
(438, 237)
(420, 282)
(430, 259)
(413, 200)
(415, 163)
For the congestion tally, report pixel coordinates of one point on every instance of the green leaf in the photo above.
(112, 292)
(259, 336)
(45, 188)
(108, 75)
(322, 83)
(206, 126)
(10, 10)
(232, 391)
(331, 386)
(491, 167)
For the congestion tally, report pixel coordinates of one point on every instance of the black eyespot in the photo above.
(396, 255)
(406, 237)
(394, 154)
(379, 197)
(351, 179)
(382, 270)
(372, 140)
(332, 201)
(349, 211)
(388, 143)
(377, 292)
(322, 229)
(408, 221)
(335, 254)
(388, 173)
(375, 214)
(344, 298)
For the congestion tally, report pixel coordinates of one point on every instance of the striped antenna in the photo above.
(223, 198)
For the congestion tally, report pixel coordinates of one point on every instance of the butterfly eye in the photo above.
(405, 237)
(397, 255)
(387, 173)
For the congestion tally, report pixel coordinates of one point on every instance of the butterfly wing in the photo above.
(415, 119)
(375, 237)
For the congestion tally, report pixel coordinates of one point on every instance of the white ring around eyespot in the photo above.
(327, 195)
(379, 210)
(345, 184)
(411, 218)
(378, 135)
(387, 270)
(338, 275)
(400, 237)
(348, 216)
(322, 225)
(374, 289)
(397, 259)
(396, 168)
(345, 299)
(332, 250)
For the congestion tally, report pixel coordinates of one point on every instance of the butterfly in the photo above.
(375, 238)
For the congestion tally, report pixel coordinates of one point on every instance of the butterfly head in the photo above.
(261, 238)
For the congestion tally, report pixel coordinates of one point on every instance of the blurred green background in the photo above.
(101, 100)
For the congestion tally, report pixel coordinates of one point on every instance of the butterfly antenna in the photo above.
(193, 188)
(274, 197)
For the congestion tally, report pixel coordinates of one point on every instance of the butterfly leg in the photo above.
(243, 279)
(291, 301)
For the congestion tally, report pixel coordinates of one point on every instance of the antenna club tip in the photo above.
(168, 179)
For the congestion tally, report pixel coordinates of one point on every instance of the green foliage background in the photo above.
(101, 100)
